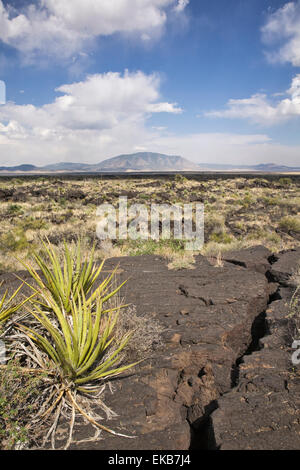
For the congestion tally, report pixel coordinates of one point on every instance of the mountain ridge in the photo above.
(140, 161)
(144, 162)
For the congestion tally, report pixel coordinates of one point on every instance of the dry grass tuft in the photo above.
(146, 336)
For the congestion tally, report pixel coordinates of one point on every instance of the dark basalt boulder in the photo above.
(6, 194)
(254, 258)
(286, 268)
(263, 411)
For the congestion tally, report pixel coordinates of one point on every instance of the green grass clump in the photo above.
(14, 242)
(248, 201)
(271, 201)
(151, 247)
(15, 209)
(19, 392)
(30, 223)
(221, 238)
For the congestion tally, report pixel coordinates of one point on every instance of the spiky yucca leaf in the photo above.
(76, 275)
(82, 346)
(8, 307)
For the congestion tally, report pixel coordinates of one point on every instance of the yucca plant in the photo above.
(72, 338)
(78, 344)
(81, 351)
(7, 305)
(64, 277)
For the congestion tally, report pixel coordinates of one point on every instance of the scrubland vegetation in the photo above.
(239, 212)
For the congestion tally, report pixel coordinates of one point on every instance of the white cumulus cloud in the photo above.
(87, 120)
(282, 28)
(61, 28)
(259, 109)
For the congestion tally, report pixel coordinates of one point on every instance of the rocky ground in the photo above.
(218, 372)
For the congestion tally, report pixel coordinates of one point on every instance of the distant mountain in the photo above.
(275, 167)
(67, 166)
(21, 168)
(146, 161)
(142, 161)
(263, 167)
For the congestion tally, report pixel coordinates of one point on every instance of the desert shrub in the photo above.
(294, 315)
(220, 238)
(15, 209)
(273, 237)
(145, 196)
(285, 181)
(184, 260)
(264, 237)
(146, 333)
(271, 201)
(290, 223)
(260, 182)
(240, 226)
(30, 223)
(180, 179)
(16, 241)
(214, 224)
(248, 200)
(169, 186)
(17, 181)
(62, 201)
(214, 249)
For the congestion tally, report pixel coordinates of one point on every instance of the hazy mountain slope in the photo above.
(22, 168)
(146, 161)
(67, 166)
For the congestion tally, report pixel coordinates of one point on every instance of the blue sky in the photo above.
(212, 81)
